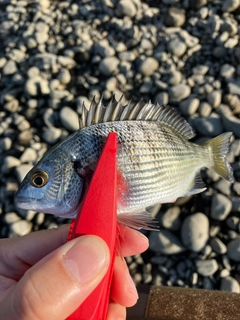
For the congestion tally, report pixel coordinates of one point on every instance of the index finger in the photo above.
(18, 254)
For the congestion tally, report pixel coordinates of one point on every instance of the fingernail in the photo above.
(86, 258)
(131, 286)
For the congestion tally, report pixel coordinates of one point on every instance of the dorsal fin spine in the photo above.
(116, 111)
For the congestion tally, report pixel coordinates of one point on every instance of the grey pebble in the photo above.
(22, 170)
(206, 268)
(224, 273)
(233, 249)
(176, 47)
(148, 66)
(64, 76)
(171, 218)
(189, 106)
(218, 246)
(25, 137)
(195, 231)
(165, 242)
(214, 98)
(230, 284)
(5, 143)
(227, 71)
(109, 66)
(51, 135)
(11, 217)
(21, 227)
(174, 17)
(230, 122)
(190, 40)
(10, 162)
(161, 98)
(208, 126)
(221, 207)
(12, 106)
(200, 69)
(232, 222)
(223, 186)
(235, 204)
(125, 8)
(9, 68)
(179, 92)
(3, 61)
(69, 119)
(204, 109)
(174, 78)
(29, 155)
(230, 5)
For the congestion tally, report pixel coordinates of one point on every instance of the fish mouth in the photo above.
(23, 202)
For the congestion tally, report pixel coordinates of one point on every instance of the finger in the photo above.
(116, 311)
(57, 284)
(123, 289)
(131, 241)
(18, 254)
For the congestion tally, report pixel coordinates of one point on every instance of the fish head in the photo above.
(51, 186)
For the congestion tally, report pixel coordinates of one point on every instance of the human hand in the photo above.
(43, 277)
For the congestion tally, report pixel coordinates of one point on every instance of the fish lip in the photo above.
(21, 200)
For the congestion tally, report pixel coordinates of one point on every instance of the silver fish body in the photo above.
(156, 163)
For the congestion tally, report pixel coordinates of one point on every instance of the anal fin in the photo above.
(197, 185)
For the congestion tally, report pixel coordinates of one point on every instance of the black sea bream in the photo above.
(156, 162)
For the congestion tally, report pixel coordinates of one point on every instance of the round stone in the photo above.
(233, 249)
(230, 284)
(69, 119)
(109, 66)
(51, 135)
(221, 207)
(10, 162)
(29, 155)
(177, 47)
(189, 106)
(9, 68)
(206, 268)
(21, 227)
(174, 17)
(195, 231)
(208, 126)
(227, 71)
(179, 92)
(230, 5)
(171, 218)
(25, 137)
(218, 246)
(22, 170)
(64, 76)
(125, 8)
(214, 98)
(165, 242)
(148, 66)
(161, 98)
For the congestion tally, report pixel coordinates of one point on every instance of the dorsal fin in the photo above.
(116, 111)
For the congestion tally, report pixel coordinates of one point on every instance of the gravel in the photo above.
(55, 55)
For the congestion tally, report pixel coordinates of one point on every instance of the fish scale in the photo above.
(156, 162)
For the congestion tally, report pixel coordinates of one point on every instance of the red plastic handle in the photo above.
(98, 216)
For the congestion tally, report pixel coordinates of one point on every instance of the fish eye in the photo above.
(39, 179)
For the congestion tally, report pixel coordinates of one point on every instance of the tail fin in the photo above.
(219, 148)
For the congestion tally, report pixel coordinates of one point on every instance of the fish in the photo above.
(156, 161)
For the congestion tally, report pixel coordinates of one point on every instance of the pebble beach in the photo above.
(57, 55)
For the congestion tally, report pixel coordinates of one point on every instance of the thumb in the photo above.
(59, 283)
